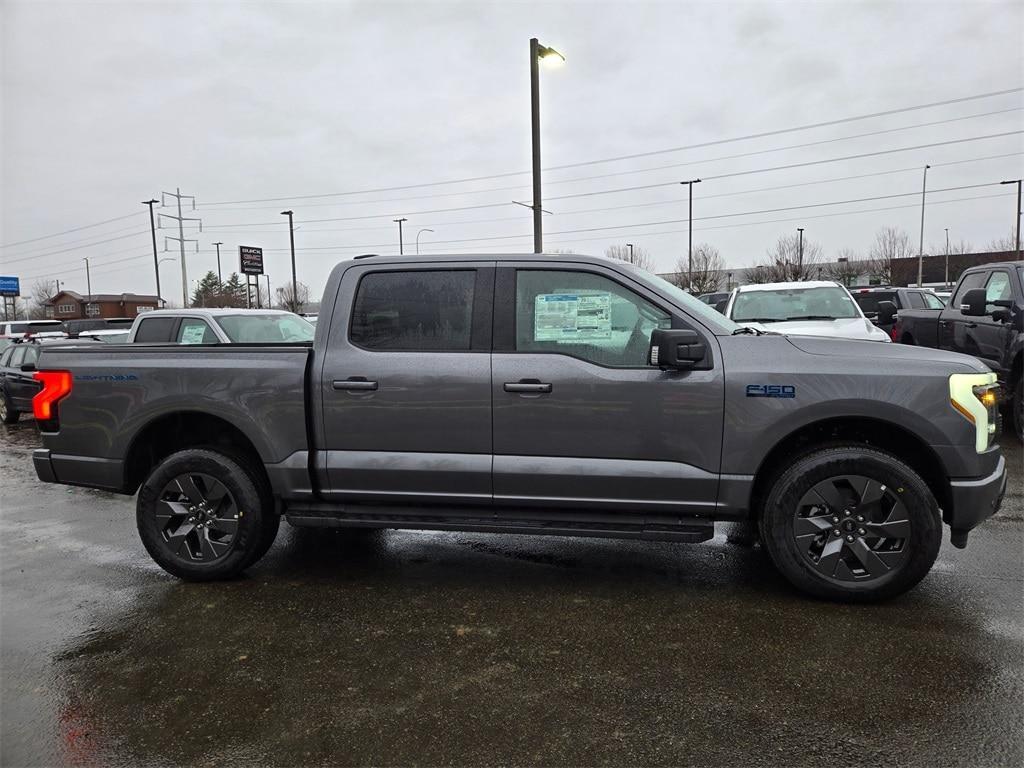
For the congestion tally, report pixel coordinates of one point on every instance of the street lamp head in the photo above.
(1010, 181)
(149, 202)
(286, 213)
(550, 56)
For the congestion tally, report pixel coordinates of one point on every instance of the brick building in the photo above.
(68, 305)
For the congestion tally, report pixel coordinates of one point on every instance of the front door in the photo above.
(406, 385)
(580, 417)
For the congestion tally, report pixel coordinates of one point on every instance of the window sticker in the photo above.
(193, 334)
(572, 317)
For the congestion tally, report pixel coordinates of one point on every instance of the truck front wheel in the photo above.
(851, 523)
(203, 515)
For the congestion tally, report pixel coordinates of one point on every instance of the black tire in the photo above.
(836, 472)
(203, 515)
(8, 415)
(1018, 411)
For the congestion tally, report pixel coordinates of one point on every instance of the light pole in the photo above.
(947, 258)
(550, 55)
(920, 245)
(219, 278)
(291, 240)
(800, 253)
(1017, 182)
(88, 285)
(630, 246)
(156, 261)
(689, 234)
(270, 301)
(401, 245)
(418, 239)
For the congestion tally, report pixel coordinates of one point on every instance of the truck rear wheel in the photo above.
(851, 523)
(203, 515)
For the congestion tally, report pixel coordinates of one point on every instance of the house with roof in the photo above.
(69, 305)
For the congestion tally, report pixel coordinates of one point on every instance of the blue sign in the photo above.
(9, 286)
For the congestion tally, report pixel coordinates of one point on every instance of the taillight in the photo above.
(56, 386)
(895, 332)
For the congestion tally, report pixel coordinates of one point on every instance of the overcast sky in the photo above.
(108, 104)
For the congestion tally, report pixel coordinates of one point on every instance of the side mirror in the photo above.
(28, 367)
(676, 348)
(972, 303)
(886, 312)
(721, 305)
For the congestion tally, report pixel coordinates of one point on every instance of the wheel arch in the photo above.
(173, 432)
(877, 433)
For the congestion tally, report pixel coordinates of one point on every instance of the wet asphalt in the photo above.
(408, 648)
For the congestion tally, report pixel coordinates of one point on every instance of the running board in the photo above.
(682, 530)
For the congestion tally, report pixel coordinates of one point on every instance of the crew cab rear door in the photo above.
(405, 384)
(580, 417)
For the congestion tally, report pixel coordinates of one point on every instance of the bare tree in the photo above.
(845, 270)
(641, 257)
(293, 303)
(888, 254)
(784, 262)
(1007, 243)
(708, 269)
(42, 291)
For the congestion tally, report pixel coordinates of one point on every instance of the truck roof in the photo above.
(788, 286)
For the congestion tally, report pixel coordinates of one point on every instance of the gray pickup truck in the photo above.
(547, 394)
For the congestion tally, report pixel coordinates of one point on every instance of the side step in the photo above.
(682, 530)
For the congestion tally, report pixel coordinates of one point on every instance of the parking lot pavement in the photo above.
(402, 647)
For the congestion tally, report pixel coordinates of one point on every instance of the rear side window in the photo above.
(195, 331)
(417, 310)
(17, 357)
(154, 330)
(868, 302)
(5, 359)
(973, 280)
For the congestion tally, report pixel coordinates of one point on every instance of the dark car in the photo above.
(869, 298)
(17, 376)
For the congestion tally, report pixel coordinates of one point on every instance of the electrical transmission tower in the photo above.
(181, 234)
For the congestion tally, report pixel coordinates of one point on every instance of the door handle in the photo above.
(354, 384)
(972, 325)
(532, 386)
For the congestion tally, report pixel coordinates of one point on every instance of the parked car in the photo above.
(543, 394)
(17, 376)
(77, 327)
(20, 329)
(220, 326)
(984, 318)
(811, 308)
(108, 336)
(870, 299)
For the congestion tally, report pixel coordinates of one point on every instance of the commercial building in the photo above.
(68, 305)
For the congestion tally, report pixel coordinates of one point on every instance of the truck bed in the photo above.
(122, 395)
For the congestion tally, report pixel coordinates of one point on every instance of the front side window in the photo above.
(584, 315)
(791, 304)
(417, 310)
(998, 288)
(916, 299)
(195, 331)
(973, 280)
(933, 302)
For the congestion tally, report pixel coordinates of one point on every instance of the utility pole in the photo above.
(219, 278)
(920, 245)
(630, 246)
(800, 254)
(400, 246)
(291, 241)
(689, 234)
(88, 284)
(181, 235)
(1017, 245)
(156, 259)
(947, 258)
(270, 301)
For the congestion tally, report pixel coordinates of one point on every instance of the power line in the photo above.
(72, 248)
(68, 231)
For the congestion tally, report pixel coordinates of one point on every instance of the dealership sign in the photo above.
(251, 259)
(9, 286)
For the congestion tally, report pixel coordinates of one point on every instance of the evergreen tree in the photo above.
(207, 293)
(233, 292)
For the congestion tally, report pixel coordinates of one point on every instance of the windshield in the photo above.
(265, 329)
(774, 306)
(707, 314)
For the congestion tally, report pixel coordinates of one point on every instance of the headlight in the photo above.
(975, 396)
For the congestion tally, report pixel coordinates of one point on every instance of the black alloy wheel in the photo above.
(197, 518)
(852, 528)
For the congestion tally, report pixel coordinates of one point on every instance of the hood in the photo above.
(868, 351)
(846, 328)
